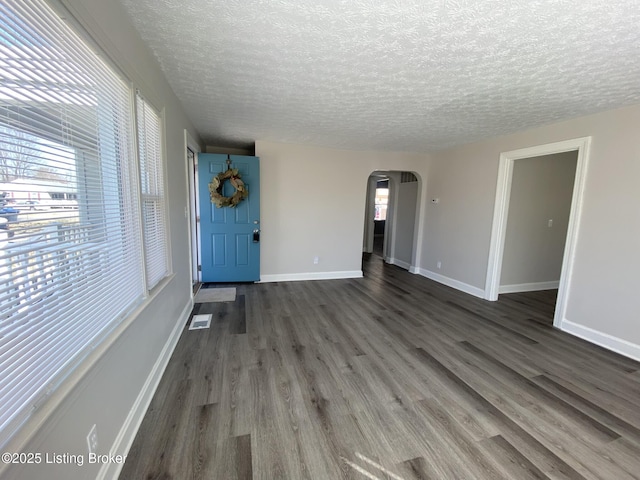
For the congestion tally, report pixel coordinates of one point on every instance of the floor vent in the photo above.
(198, 322)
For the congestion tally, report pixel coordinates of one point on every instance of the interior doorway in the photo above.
(537, 222)
(501, 212)
(391, 217)
(381, 204)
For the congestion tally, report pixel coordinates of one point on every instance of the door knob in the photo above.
(256, 236)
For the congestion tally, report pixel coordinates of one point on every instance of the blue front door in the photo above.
(229, 236)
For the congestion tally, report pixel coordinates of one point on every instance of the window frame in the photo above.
(159, 199)
(55, 392)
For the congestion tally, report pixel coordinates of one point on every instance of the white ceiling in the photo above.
(390, 74)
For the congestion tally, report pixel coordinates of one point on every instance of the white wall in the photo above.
(603, 303)
(456, 227)
(313, 204)
(541, 190)
(104, 390)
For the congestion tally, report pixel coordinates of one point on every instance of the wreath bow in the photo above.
(215, 188)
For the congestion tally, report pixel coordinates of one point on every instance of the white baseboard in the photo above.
(618, 345)
(400, 263)
(296, 277)
(450, 282)
(124, 440)
(528, 287)
(414, 269)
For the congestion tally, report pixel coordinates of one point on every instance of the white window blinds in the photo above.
(70, 261)
(149, 126)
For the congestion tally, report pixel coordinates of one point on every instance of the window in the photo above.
(152, 190)
(381, 203)
(71, 267)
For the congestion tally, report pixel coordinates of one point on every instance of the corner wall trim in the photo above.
(529, 287)
(615, 344)
(450, 282)
(124, 440)
(296, 277)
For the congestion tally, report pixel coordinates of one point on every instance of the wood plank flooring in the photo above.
(391, 376)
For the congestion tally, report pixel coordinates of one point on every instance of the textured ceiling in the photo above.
(390, 74)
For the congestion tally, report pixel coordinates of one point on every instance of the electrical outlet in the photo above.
(439, 265)
(316, 260)
(92, 439)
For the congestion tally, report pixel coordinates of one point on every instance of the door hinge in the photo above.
(199, 268)
(198, 219)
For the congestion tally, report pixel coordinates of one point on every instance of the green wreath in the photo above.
(215, 188)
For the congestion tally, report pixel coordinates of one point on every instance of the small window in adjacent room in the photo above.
(381, 202)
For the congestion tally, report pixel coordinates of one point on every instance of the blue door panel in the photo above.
(229, 252)
(219, 249)
(242, 211)
(243, 250)
(218, 216)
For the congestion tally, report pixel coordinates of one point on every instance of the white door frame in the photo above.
(501, 211)
(372, 182)
(389, 239)
(192, 201)
(369, 214)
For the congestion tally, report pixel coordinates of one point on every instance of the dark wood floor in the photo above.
(394, 377)
(378, 245)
